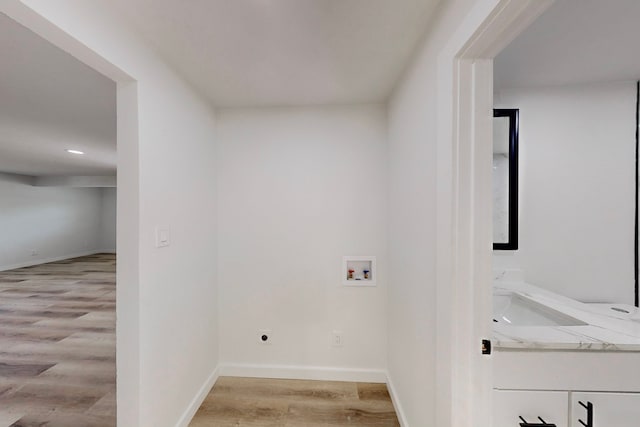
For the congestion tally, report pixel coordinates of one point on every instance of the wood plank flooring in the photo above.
(253, 402)
(57, 344)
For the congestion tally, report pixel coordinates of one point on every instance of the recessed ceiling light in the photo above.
(74, 151)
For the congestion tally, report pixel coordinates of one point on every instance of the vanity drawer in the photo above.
(609, 409)
(508, 405)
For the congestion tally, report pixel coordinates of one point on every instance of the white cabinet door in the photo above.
(609, 409)
(508, 405)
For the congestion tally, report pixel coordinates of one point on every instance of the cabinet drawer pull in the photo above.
(542, 423)
(589, 407)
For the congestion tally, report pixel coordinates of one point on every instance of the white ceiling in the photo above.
(574, 41)
(277, 52)
(49, 101)
(284, 52)
(236, 52)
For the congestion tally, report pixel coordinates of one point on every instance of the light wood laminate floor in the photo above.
(57, 344)
(253, 402)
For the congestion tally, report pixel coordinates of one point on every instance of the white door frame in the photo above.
(464, 194)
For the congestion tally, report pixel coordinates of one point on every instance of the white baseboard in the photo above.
(302, 372)
(191, 410)
(396, 403)
(38, 261)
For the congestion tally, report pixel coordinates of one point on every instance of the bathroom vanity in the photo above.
(564, 361)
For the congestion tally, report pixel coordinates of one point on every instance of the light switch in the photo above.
(162, 237)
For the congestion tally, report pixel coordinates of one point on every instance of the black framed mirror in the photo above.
(505, 178)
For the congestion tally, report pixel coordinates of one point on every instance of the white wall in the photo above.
(577, 190)
(299, 188)
(413, 130)
(55, 222)
(167, 310)
(167, 347)
(108, 212)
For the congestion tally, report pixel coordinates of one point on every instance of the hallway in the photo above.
(57, 344)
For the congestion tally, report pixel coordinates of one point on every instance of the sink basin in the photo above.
(518, 310)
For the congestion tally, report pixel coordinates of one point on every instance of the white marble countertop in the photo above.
(605, 329)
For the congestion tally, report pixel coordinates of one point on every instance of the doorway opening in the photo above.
(465, 98)
(58, 256)
(564, 301)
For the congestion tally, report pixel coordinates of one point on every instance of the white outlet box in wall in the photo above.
(359, 271)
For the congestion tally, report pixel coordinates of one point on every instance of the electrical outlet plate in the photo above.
(337, 339)
(265, 332)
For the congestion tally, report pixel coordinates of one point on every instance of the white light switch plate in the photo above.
(162, 237)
